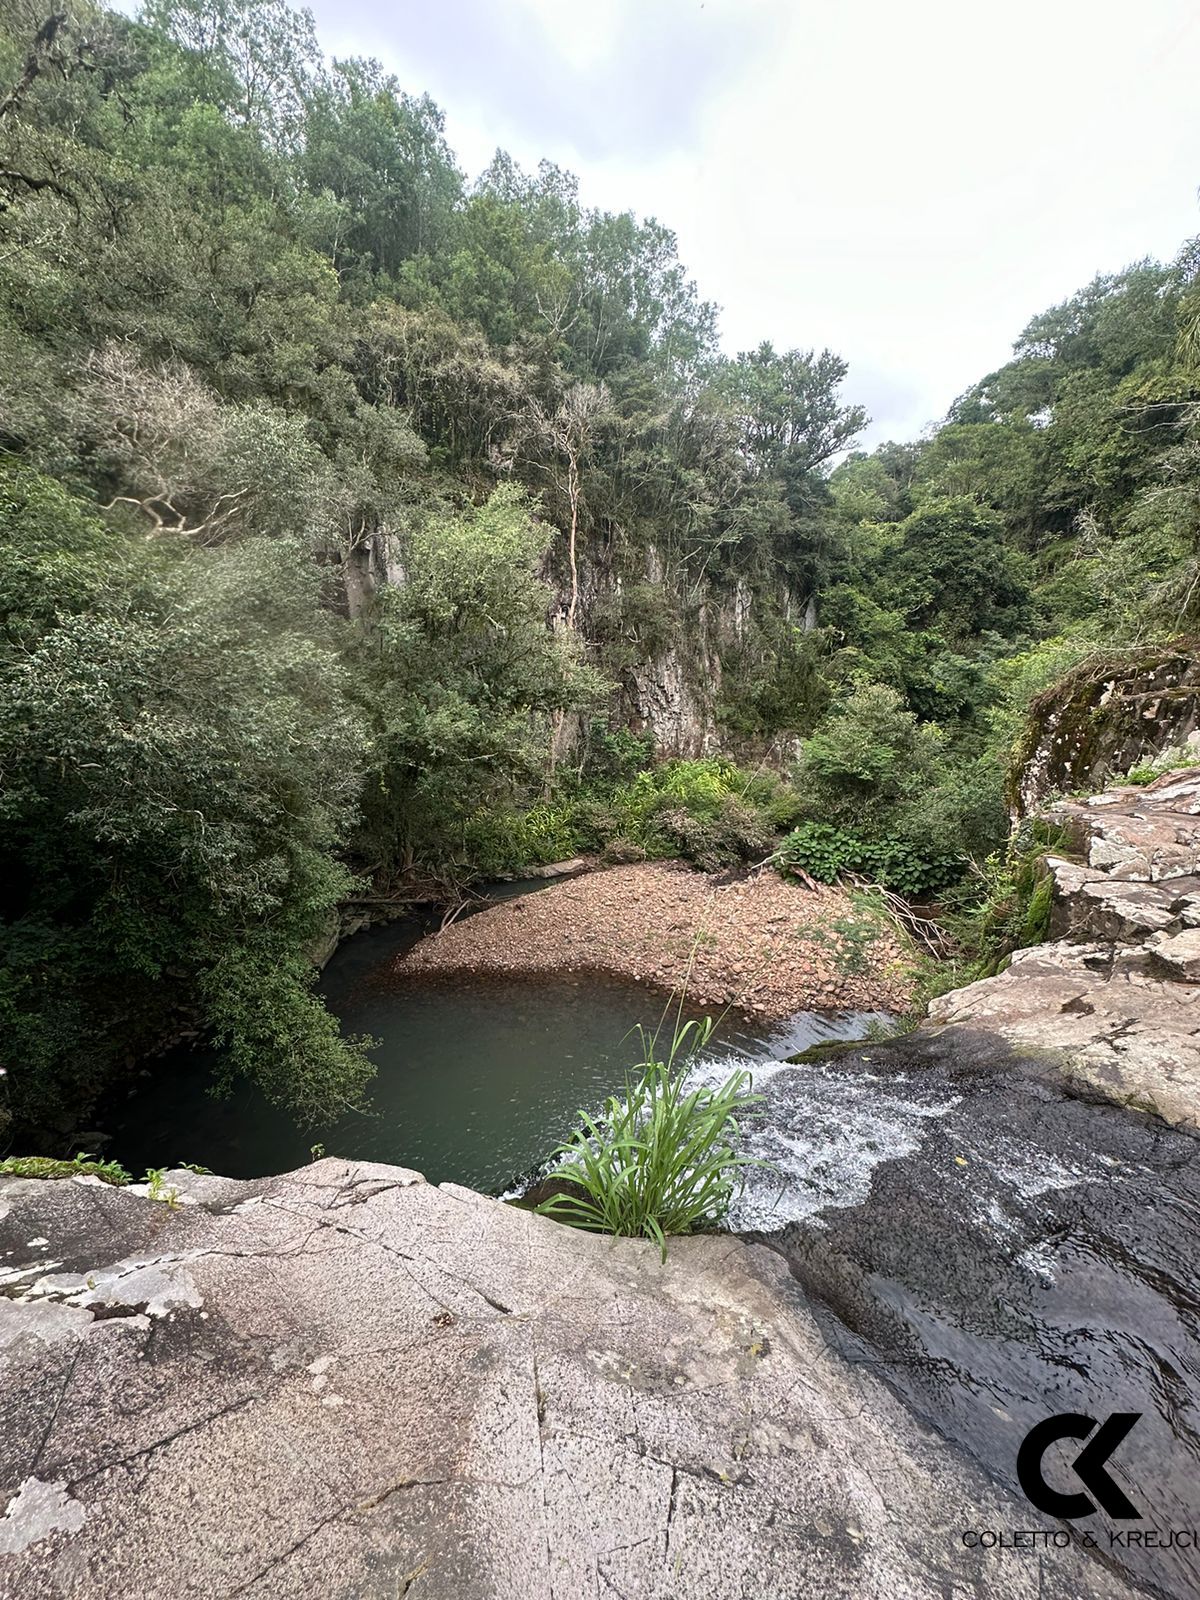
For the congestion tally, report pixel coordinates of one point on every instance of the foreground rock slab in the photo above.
(347, 1382)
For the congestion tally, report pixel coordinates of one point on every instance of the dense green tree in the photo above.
(951, 567)
(381, 156)
(465, 680)
(256, 61)
(341, 493)
(179, 756)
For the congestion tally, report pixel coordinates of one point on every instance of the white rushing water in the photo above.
(823, 1128)
(821, 1133)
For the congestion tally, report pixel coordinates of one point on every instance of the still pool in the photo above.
(479, 1079)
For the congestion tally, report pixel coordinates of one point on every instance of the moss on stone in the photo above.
(825, 1051)
(1093, 721)
(1036, 924)
(51, 1167)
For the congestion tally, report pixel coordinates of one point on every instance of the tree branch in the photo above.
(43, 41)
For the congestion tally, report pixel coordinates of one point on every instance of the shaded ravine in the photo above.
(999, 1251)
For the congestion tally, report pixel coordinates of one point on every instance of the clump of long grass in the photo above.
(662, 1158)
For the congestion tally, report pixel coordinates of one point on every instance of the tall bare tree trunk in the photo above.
(573, 496)
(570, 431)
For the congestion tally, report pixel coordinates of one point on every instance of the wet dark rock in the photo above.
(1030, 1252)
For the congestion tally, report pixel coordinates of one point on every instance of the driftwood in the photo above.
(925, 930)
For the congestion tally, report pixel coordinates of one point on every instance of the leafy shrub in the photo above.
(828, 853)
(594, 823)
(502, 842)
(736, 833)
(707, 811)
(866, 760)
(878, 775)
(614, 755)
(693, 786)
(785, 808)
(772, 682)
(661, 1160)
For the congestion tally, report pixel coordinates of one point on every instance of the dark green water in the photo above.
(478, 1079)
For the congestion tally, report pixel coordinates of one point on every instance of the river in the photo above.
(478, 1079)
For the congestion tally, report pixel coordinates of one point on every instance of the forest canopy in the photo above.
(348, 504)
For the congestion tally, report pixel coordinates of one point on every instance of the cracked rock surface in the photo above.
(1116, 993)
(347, 1382)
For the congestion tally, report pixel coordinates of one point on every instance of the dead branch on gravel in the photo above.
(924, 930)
(792, 871)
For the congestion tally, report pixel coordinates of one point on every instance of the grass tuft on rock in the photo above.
(662, 1159)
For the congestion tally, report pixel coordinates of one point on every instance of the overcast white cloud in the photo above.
(906, 183)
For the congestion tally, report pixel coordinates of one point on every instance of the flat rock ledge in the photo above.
(1115, 995)
(347, 1382)
(761, 943)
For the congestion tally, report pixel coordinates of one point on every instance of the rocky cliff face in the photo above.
(1115, 994)
(672, 689)
(1104, 717)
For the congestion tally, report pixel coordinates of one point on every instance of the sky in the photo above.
(904, 181)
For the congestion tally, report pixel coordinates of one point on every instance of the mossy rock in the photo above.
(828, 1051)
(1112, 710)
(50, 1167)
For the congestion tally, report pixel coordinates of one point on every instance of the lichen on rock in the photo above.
(1111, 711)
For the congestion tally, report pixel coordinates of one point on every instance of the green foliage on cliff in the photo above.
(462, 679)
(354, 512)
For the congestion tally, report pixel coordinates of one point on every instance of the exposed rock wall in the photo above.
(672, 683)
(1116, 992)
(1104, 717)
(665, 701)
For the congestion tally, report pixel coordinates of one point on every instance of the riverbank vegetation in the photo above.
(364, 521)
(661, 1159)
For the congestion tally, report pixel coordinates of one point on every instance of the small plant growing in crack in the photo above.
(157, 1187)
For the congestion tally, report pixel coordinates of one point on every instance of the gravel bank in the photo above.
(764, 944)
